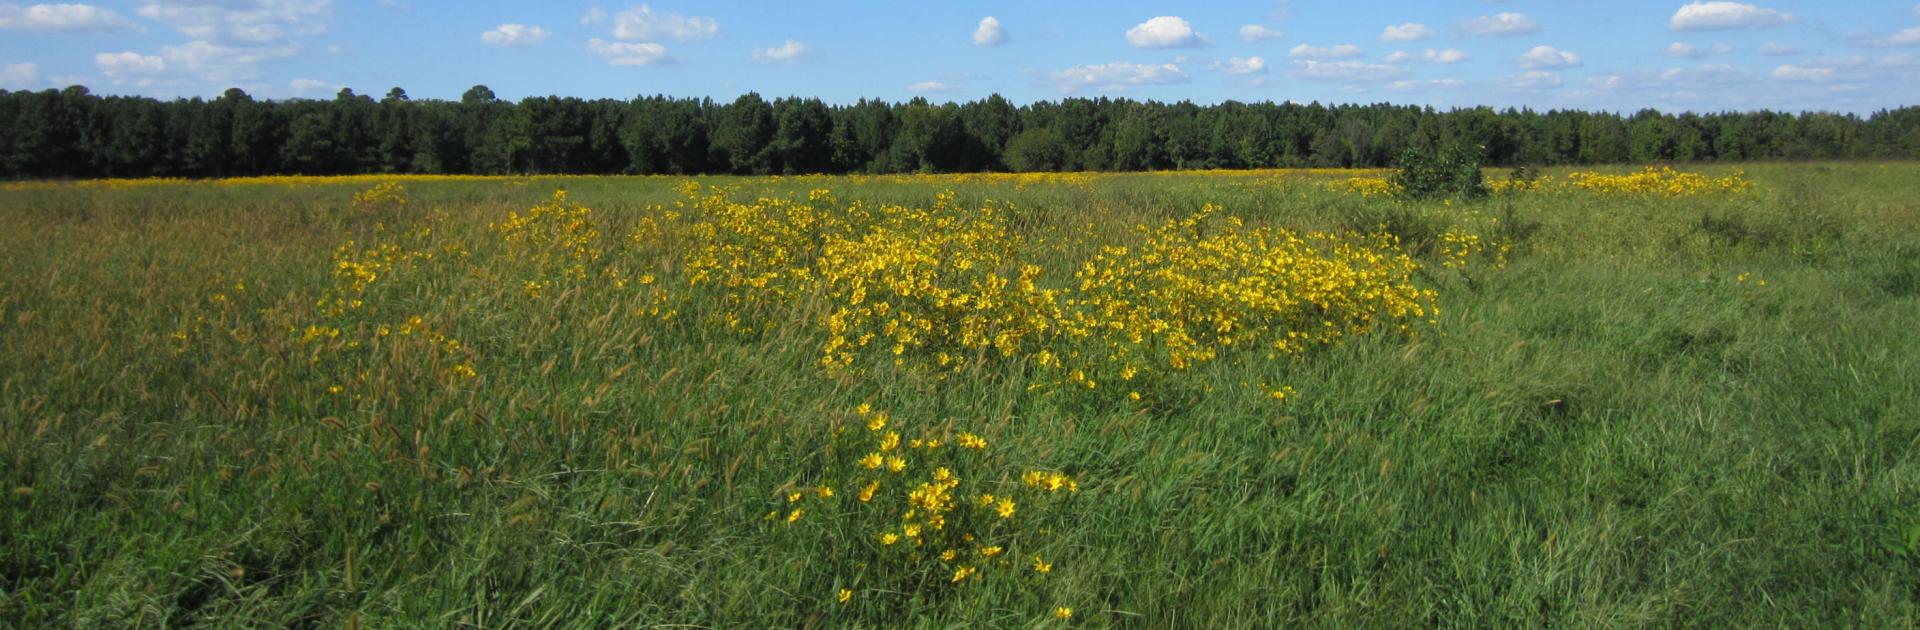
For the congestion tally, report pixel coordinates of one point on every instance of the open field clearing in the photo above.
(1214, 399)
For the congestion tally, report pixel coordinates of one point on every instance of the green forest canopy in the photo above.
(73, 133)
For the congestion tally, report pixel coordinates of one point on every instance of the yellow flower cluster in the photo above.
(553, 234)
(1659, 181)
(1366, 187)
(385, 195)
(1458, 245)
(353, 323)
(930, 506)
(947, 285)
(1198, 287)
(1510, 185)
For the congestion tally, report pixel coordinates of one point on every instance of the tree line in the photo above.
(73, 133)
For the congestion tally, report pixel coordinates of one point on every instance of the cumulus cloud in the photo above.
(595, 15)
(1447, 56)
(1686, 50)
(510, 34)
(304, 87)
(1532, 80)
(1706, 16)
(62, 17)
(930, 87)
(1351, 71)
(644, 24)
(1409, 32)
(217, 63)
(1499, 24)
(20, 76)
(1165, 31)
(632, 55)
(1304, 51)
(1242, 66)
(1410, 86)
(130, 67)
(1548, 57)
(1906, 37)
(1777, 48)
(1256, 32)
(1116, 76)
(230, 22)
(1802, 73)
(989, 33)
(792, 51)
(196, 60)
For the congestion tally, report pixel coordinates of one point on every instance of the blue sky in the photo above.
(1591, 54)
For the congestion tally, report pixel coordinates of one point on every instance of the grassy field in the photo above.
(659, 401)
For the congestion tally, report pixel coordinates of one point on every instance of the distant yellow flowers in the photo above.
(1661, 180)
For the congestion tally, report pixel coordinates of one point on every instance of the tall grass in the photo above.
(1646, 409)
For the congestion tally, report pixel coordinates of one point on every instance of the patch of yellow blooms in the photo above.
(944, 516)
(1661, 180)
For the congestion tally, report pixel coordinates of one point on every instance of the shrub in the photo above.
(1454, 172)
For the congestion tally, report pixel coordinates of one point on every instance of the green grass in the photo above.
(1614, 429)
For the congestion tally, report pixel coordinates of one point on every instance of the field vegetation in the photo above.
(1624, 396)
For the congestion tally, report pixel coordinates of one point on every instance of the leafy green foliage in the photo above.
(1454, 172)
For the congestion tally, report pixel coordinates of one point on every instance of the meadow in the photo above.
(1621, 397)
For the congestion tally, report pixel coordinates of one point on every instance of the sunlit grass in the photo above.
(424, 402)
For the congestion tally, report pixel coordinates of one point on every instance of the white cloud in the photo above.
(62, 17)
(1242, 66)
(1703, 16)
(1165, 31)
(1777, 48)
(1686, 50)
(1410, 86)
(1802, 73)
(1532, 80)
(990, 33)
(514, 35)
(1906, 37)
(130, 67)
(1409, 32)
(1548, 57)
(1256, 32)
(1345, 71)
(643, 23)
(1304, 51)
(623, 54)
(196, 60)
(790, 52)
(595, 15)
(1447, 56)
(930, 87)
(304, 87)
(1500, 24)
(20, 76)
(242, 21)
(1116, 76)
(213, 62)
